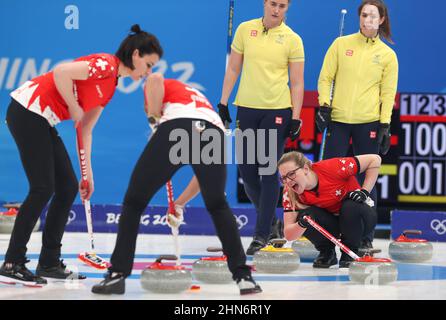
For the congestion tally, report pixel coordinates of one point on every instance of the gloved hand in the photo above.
(300, 218)
(223, 112)
(358, 195)
(295, 126)
(153, 123)
(384, 138)
(175, 220)
(323, 118)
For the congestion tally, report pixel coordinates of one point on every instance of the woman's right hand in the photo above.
(174, 220)
(300, 218)
(76, 114)
(223, 112)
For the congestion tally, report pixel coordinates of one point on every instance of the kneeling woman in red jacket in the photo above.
(329, 193)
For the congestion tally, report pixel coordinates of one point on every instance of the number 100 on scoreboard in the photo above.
(422, 148)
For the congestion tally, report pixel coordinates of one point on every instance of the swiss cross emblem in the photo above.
(372, 134)
(338, 193)
(279, 120)
(253, 33)
(101, 64)
(349, 53)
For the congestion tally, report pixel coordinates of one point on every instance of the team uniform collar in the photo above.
(265, 30)
(365, 39)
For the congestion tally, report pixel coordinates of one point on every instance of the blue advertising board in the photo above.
(432, 224)
(197, 220)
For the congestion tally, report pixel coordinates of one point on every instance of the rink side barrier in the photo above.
(197, 220)
(431, 223)
(153, 220)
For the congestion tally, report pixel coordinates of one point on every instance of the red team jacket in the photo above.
(336, 179)
(183, 101)
(41, 96)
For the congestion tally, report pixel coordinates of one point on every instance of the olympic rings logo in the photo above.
(439, 226)
(241, 220)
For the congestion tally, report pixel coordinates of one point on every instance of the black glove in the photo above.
(300, 218)
(384, 138)
(323, 118)
(153, 123)
(358, 195)
(295, 126)
(223, 112)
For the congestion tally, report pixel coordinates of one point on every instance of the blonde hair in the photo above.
(299, 160)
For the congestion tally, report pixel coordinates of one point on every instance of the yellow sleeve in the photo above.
(328, 73)
(237, 43)
(389, 85)
(297, 53)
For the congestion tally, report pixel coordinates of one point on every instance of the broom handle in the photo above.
(324, 135)
(175, 231)
(330, 237)
(83, 165)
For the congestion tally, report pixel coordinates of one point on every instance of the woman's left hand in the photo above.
(358, 195)
(86, 188)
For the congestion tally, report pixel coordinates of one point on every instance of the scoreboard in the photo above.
(413, 173)
(421, 162)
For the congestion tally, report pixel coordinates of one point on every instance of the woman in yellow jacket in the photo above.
(269, 56)
(365, 74)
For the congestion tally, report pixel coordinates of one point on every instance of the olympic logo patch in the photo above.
(439, 226)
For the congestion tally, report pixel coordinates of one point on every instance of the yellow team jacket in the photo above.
(264, 78)
(366, 76)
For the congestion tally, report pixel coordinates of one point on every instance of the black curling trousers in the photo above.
(51, 177)
(364, 141)
(156, 165)
(354, 220)
(261, 188)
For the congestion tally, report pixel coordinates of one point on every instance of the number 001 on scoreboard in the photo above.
(422, 148)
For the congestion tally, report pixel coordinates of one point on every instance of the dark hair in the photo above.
(384, 29)
(145, 42)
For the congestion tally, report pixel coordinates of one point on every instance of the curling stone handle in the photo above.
(12, 205)
(214, 249)
(413, 232)
(370, 252)
(279, 242)
(166, 257)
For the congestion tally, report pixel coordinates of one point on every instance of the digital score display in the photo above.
(422, 148)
